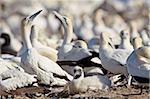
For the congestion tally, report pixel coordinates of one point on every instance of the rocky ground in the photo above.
(122, 92)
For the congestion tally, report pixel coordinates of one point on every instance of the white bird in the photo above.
(78, 52)
(42, 49)
(13, 79)
(81, 84)
(68, 51)
(138, 63)
(34, 63)
(125, 40)
(68, 34)
(113, 60)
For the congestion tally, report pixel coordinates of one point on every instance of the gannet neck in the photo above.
(67, 25)
(105, 42)
(34, 33)
(26, 30)
(125, 41)
(137, 42)
(68, 32)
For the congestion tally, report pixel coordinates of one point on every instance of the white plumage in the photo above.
(113, 60)
(125, 41)
(138, 63)
(82, 84)
(8, 65)
(34, 63)
(67, 50)
(13, 79)
(68, 34)
(42, 49)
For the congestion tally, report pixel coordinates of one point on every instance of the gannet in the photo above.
(34, 63)
(113, 60)
(138, 63)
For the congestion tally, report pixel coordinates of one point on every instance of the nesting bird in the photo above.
(81, 84)
(113, 60)
(138, 63)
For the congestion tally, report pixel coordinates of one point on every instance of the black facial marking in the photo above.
(77, 76)
(77, 73)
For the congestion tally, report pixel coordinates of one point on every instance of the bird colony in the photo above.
(80, 46)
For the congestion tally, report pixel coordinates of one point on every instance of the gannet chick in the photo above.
(138, 63)
(81, 84)
(34, 63)
(113, 60)
(125, 40)
(13, 79)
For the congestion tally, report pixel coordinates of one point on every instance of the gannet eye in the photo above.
(79, 46)
(65, 19)
(74, 46)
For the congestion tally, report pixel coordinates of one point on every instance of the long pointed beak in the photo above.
(59, 17)
(32, 17)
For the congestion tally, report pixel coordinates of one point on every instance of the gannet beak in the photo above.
(32, 17)
(59, 17)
